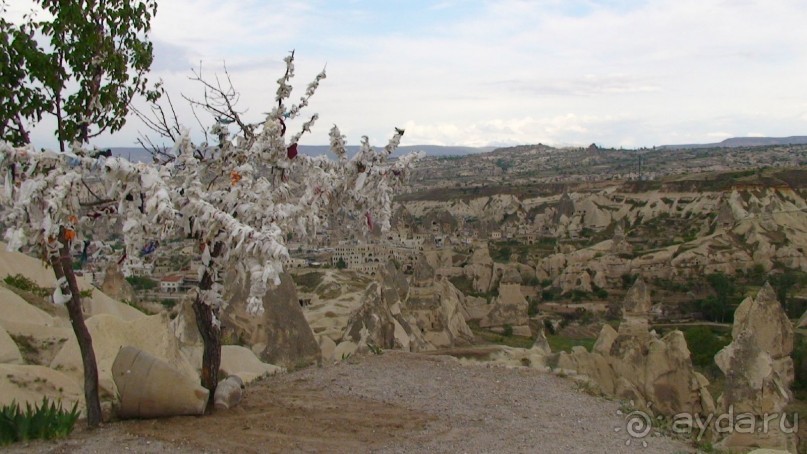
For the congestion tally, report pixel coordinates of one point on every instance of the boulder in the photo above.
(150, 388)
(632, 363)
(228, 393)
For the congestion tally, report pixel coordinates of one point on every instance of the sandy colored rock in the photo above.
(29, 384)
(637, 300)
(282, 329)
(372, 325)
(149, 387)
(9, 352)
(758, 369)
(15, 309)
(151, 334)
(115, 284)
(509, 308)
(235, 360)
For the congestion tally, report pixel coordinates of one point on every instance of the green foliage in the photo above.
(308, 282)
(628, 280)
(141, 282)
(548, 327)
(560, 343)
(23, 283)
(720, 306)
(84, 64)
(375, 349)
(532, 308)
(799, 356)
(340, 264)
(507, 330)
(703, 345)
(783, 283)
(45, 421)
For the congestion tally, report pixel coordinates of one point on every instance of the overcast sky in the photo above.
(561, 72)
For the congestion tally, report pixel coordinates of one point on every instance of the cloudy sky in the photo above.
(479, 73)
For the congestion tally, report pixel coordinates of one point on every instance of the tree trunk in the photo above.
(211, 353)
(210, 330)
(63, 267)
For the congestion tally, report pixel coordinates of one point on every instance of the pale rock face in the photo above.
(115, 284)
(23, 383)
(282, 329)
(634, 364)
(9, 352)
(509, 308)
(637, 301)
(150, 334)
(758, 368)
(373, 323)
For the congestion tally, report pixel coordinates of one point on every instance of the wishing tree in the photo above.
(237, 198)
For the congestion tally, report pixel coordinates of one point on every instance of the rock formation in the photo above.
(281, 335)
(423, 314)
(115, 284)
(759, 370)
(635, 364)
(509, 308)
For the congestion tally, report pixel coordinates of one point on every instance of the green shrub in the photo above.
(45, 421)
(141, 282)
(703, 344)
(507, 330)
(23, 283)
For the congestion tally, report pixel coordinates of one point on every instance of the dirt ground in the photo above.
(394, 402)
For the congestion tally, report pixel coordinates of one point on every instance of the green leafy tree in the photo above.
(92, 61)
(83, 64)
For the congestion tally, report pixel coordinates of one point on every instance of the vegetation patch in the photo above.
(44, 421)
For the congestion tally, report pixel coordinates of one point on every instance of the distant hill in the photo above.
(735, 142)
(140, 155)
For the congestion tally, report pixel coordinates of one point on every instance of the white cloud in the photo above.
(621, 73)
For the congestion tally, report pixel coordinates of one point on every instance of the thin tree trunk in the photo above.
(210, 332)
(63, 267)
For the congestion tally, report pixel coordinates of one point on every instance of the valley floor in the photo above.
(393, 402)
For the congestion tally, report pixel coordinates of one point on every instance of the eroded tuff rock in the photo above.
(635, 364)
(281, 335)
(115, 284)
(424, 314)
(758, 369)
(509, 308)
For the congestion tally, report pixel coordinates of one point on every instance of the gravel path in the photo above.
(390, 403)
(487, 409)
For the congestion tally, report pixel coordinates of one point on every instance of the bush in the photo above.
(508, 330)
(45, 421)
(703, 345)
(548, 327)
(23, 283)
(141, 283)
